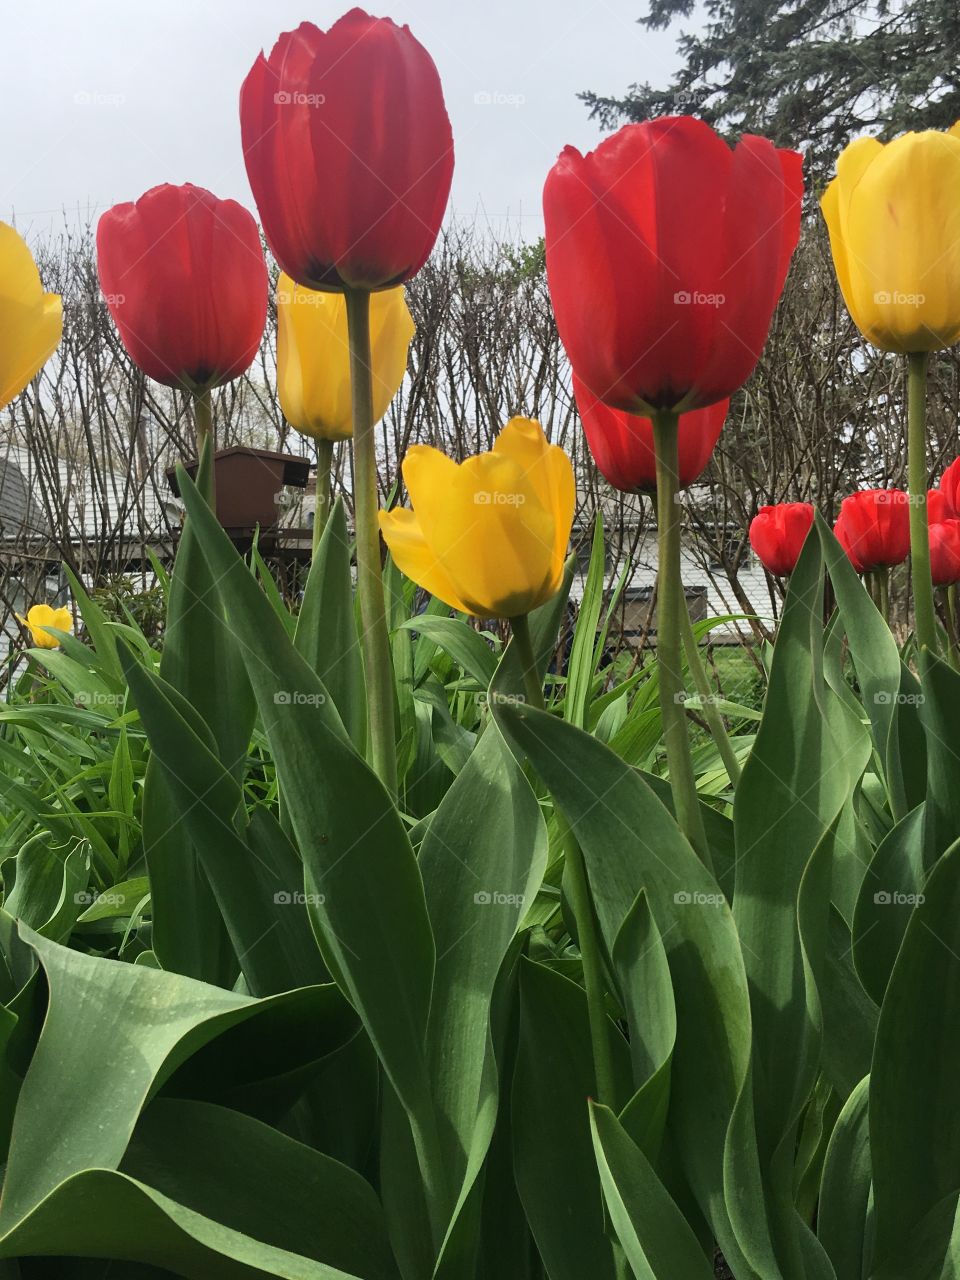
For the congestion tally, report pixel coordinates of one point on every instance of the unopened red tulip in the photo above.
(184, 278)
(777, 535)
(622, 443)
(874, 528)
(667, 251)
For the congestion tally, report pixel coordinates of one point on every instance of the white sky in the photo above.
(103, 99)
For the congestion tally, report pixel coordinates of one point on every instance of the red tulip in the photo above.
(950, 487)
(185, 281)
(945, 552)
(777, 535)
(349, 152)
(874, 528)
(938, 508)
(666, 254)
(622, 443)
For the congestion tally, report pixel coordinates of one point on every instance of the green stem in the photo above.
(531, 681)
(883, 584)
(377, 665)
(203, 426)
(925, 618)
(322, 507)
(670, 601)
(708, 703)
(950, 612)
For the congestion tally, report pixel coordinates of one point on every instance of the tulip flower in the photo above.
(349, 152)
(622, 443)
(893, 213)
(777, 535)
(874, 528)
(186, 283)
(31, 321)
(950, 488)
(945, 552)
(313, 357)
(487, 536)
(666, 254)
(40, 616)
(939, 507)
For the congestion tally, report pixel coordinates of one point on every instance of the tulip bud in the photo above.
(777, 535)
(313, 356)
(874, 528)
(31, 321)
(893, 213)
(186, 283)
(42, 615)
(622, 443)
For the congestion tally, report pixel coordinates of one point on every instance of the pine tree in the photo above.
(807, 73)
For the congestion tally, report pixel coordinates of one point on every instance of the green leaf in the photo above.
(102, 1214)
(553, 1152)
(466, 646)
(97, 626)
(259, 890)
(654, 1234)
(940, 716)
(887, 897)
(875, 655)
(844, 1214)
(326, 633)
(914, 1120)
(237, 1171)
(482, 861)
(113, 1033)
(631, 843)
(201, 660)
(810, 752)
(646, 992)
(365, 894)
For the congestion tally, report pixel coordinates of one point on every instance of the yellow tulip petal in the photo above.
(413, 556)
(313, 356)
(31, 321)
(550, 472)
(894, 219)
(40, 616)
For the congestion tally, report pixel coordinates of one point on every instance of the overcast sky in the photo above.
(106, 98)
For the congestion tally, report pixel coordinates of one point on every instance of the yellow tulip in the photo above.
(313, 358)
(31, 321)
(893, 213)
(40, 616)
(488, 536)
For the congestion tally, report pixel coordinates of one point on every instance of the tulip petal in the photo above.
(413, 556)
(31, 321)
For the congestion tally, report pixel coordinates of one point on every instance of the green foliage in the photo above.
(814, 74)
(306, 1033)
